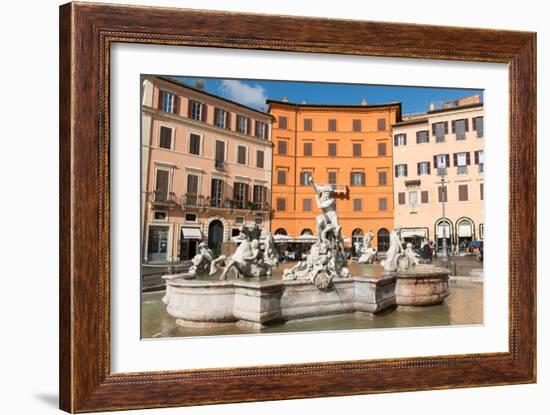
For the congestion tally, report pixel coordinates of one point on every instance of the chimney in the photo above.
(285, 99)
(364, 102)
(432, 105)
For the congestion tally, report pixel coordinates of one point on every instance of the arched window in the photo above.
(443, 230)
(306, 231)
(356, 236)
(383, 240)
(464, 233)
(280, 231)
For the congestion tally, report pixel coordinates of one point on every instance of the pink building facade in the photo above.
(206, 169)
(445, 143)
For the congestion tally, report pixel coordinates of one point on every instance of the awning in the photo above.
(191, 233)
(412, 232)
(305, 238)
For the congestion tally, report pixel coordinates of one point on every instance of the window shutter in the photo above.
(363, 179)
(395, 168)
(228, 120)
(476, 157)
(418, 169)
(429, 169)
(447, 161)
(161, 99)
(216, 116)
(435, 162)
(474, 124)
(351, 179)
(405, 139)
(468, 158)
(446, 127)
(406, 170)
(466, 124)
(453, 126)
(455, 159)
(189, 106)
(204, 112)
(249, 126)
(176, 106)
(395, 140)
(266, 131)
(433, 129)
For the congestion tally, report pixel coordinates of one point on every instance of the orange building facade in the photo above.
(347, 146)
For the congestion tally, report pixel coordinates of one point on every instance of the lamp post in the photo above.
(444, 254)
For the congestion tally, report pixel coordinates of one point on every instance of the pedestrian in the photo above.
(427, 252)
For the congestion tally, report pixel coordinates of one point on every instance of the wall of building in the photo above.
(295, 219)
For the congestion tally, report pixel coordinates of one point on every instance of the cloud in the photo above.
(254, 96)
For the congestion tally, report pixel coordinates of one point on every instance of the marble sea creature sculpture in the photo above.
(201, 262)
(394, 251)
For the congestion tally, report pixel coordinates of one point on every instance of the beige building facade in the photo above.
(206, 169)
(438, 167)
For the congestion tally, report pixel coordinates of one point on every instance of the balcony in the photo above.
(442, 171)
(161, 198)
(219, 164)
(461, 169)
(207, 202)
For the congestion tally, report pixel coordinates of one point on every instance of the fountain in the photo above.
(241, 288)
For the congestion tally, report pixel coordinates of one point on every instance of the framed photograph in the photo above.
(252, 208)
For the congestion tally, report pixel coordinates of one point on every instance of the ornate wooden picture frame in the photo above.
(87, 32)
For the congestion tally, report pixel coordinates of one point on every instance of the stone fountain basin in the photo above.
(423, 285)
(256, 304)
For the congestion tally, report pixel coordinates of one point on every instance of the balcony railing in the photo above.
(219, 164)
(442, 171)
(461, 169)
(201, 201)
(163, 198)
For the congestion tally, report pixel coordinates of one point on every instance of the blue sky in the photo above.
(254, 92)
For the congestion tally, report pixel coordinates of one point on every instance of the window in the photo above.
(258, 221)
(381, 149)
(382, 204)
(259, 196)
(308, 125)
(401, 170)
(442, 194)
(461, 161)
(241, 154)
(401, 198)
(165, 140)
(462, 192)
(162, 185)
(216, 193)
(400, 140)
(307, 205)
(239, 220)
(332, 177)
(332, 125)
(281, 176)
(382, 178)
(381, 124)
(190, 217)
(242, 124)
(283, 122)
(479, 159)
(383, 240)
(441, 162)
(160, 215)
(356, 125)
(477, 124)
(167, 101)
(260, 159)
(194, 144)
(357, 178)
(423, 168)
(308, 149)
(305, 178)
(281, 204)
(481, 191)
(331, 149)
(220, 153)
(424, 196)
(460, 127)
(357, 205)
(422, 137)
(196, 111)
(413, 201)
(356, 149)
(281, 146)
(240, 194)
(192, 190)
(220, 118)
(439, 130)
(260, 130)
